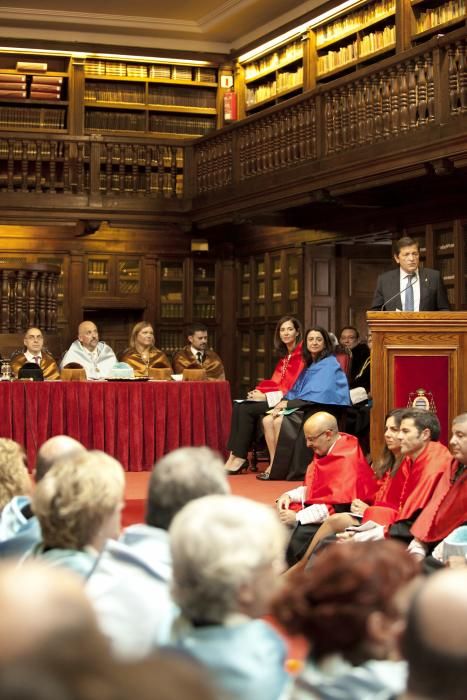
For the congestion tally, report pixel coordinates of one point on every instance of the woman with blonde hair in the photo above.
(142, 353)
(78, 504)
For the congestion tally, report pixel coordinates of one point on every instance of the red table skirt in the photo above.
(136, 422)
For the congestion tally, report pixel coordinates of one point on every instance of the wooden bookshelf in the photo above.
(162, 99)
(355, 38)
(430, 17)
(31, 99)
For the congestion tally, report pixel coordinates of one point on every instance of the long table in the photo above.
(136, 422)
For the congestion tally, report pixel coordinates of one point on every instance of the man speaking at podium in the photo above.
(409, 288)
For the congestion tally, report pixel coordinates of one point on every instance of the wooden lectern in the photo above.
(417, 357)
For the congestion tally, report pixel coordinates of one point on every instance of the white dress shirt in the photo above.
(416, 288)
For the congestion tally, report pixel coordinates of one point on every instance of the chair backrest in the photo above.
(345, 362)
(159, 373)
(73, 375)
(194, 375)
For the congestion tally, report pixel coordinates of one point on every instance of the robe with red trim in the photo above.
(340, 476)
(414, 486)
(285, 374)
(447, 508)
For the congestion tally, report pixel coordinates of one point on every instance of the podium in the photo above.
(419, 357)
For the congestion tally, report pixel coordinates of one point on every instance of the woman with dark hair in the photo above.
(142, 353)
(321, 385)
(345, 605)
(288, 345)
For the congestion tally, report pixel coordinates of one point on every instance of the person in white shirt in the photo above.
(93, 354)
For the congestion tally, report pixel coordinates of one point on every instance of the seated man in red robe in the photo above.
(425, 461)
(447, 508)
(337, 475)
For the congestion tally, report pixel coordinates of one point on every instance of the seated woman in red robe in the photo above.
(287, 342)
(142, 354)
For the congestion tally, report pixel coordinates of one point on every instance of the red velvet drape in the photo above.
(135, 422)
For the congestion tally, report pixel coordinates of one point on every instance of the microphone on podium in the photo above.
(394, 296)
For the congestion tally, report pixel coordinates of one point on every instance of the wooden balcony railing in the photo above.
(28, 296)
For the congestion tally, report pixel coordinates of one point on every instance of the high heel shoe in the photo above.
(264, 476)
(243, 468)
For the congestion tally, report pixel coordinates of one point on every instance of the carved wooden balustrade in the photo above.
(407, 94)
(80, 166)
(28, 296)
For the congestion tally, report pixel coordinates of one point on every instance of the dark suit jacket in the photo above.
(433, 295)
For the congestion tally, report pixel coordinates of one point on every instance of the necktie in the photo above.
(36, 359)
(200, 357)
(409, 302)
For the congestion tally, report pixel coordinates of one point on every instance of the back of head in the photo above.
(14, 477)
(75, 497)
(220, 545)
(424, 420)
(435, 639)
(55, 448)
(180, 477)
(331, 602)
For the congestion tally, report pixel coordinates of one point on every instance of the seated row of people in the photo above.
(222, 582)
(311, 375)
(98, 359)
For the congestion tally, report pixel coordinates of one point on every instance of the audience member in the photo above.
(245, 414)
(142, 353)
(345, 607)
(14, 479)
(78, 504)
(93, 354)
(349, 338)
(130, 584)
(197, 355)
(409, 287)
(322, 385)
(447, 508)
(435, 639)
(19, 527)
(33, 351)
(338, 474)
(227, 555)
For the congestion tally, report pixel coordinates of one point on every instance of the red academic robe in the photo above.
(285, 374)
(446, 510)
(340, 476)
(413, 485)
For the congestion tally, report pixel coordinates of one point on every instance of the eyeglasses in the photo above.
(313, 438)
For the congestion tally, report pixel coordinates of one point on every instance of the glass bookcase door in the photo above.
(204, 290)
(260, 355)
(260, 287)
(171, 290)
(276, 282)
(98, 275)
(293, 282)
(245, 290)
(129, 276)
(445, 258)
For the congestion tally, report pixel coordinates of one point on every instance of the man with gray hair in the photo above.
(20, 529)
(130, 584)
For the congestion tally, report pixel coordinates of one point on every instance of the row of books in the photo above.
(354, 21)
(375, 41)
(273, 61)
(182, 97)
(32, 117)
(120, 69)
(114, 92)
(170, 341)
(98, 120)
(174, 124)
(439, 15)
(20, 87)
(97, 267)
(172, 310)
(98, 286)
(155, 156)
(158, 182)
(129, 286)
(283, 82)
(204, 310)
(42, 150)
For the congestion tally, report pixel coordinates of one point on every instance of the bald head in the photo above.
(38, 602)
(53, 449)
(321, 432)
(88, 335)
(435, 641)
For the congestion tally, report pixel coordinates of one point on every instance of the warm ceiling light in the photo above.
(126, 57)
(277, 41)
